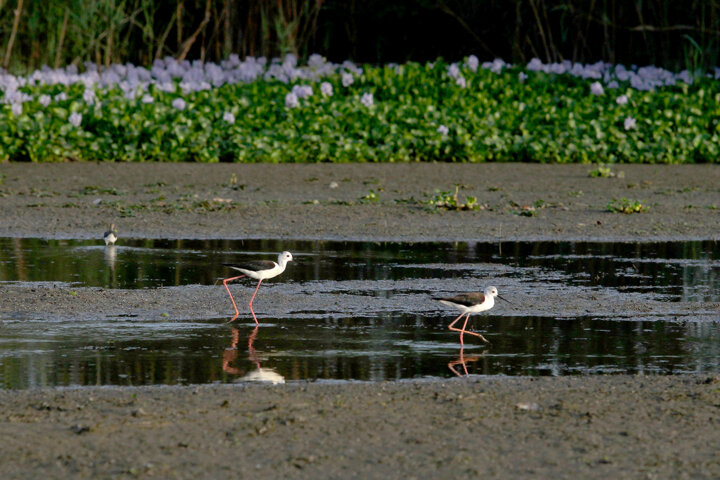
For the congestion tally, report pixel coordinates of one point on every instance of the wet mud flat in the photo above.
(371, 202)
(567, 427)
(587, 426)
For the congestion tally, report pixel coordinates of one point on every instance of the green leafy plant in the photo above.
(449, 201)
(602, 171)
(625, 205)
(370, 197)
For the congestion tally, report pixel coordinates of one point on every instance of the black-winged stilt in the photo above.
(259, 270)
(468, 303)
(110, 236)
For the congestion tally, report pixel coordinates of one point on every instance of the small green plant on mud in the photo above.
(624, 205)
(370, 197)
(602, 171)
(449, 201)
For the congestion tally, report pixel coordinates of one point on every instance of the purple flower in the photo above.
(291, 100)
(45, 100)
(147, 98)
(229, 117)
(326, 89)
(622, 100)
(596, 88)
(460, 82)
(443, 130)
(179, 104)
(630, 123)
(75, 119)
(367, 99)
(302, 91)
(16, 109)
(347, 79)
(473, 63)
(89, 97)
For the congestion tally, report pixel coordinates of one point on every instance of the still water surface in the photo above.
(388, 346)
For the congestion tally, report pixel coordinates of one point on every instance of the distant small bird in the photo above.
(110, 236)
(468, 303)
(259, 270)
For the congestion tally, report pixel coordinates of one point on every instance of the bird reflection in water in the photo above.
(110, 255)
(259, 374)
(463, 360)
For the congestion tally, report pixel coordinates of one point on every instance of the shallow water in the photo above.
(386, 346)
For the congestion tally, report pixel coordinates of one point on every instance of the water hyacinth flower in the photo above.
(89, 97)
(453, 71)
(75, 119)
(45, 100)
(347, 79)
(302, 91)
(622, 100)
(596, 88)
(229, 118)
(179, 104)
(630, 123)
(61, 97)
(367, 99)
(326, 89)
(291, 100)
(522, 76)
(473, 63)
(461, 82)
(443, 130)
(147, 98)
(16, 109)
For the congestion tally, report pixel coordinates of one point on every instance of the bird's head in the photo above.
(285, 257)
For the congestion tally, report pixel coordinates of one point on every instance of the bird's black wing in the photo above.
(253, 265)
(466, 299)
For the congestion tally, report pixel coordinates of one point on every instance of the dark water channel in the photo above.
(386, 346)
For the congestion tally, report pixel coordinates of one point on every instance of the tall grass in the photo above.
(667, 33)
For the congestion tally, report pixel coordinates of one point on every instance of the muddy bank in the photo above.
(361, 201)
(569, 427)
(589, 427)
(332, 299)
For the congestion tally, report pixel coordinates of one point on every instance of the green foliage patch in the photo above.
(416, 113)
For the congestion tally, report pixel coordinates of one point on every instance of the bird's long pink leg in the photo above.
(225, 282)
(251, 300)
(462, 330)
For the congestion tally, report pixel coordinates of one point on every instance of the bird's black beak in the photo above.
(504, 299)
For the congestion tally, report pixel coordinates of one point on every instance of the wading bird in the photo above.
(110, 236)
(468, 303)
(259, 270)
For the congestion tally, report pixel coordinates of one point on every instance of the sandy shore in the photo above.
(572, 427)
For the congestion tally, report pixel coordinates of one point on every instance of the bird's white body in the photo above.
(487, 304)
(265, 270)
(110, 238)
